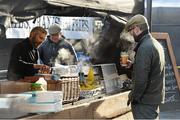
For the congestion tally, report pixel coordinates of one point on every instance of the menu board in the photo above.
(172, 79)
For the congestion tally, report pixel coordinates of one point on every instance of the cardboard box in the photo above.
(9, 87)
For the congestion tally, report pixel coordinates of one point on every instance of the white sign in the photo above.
(72, 27)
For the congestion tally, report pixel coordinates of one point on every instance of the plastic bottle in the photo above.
(43, 83)
(90, 77)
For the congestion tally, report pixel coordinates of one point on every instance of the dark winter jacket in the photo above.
(22, 58)
(49, 50)
(148, 72)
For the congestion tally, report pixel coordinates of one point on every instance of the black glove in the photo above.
(132, 102)
(130, 98)
(128, 102)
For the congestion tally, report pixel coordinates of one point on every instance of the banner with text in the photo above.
(72, 27)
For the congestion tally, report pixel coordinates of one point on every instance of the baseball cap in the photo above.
(53, 29)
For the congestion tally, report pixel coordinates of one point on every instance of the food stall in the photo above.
(103, 101)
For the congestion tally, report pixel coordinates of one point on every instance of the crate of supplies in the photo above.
(68, 85)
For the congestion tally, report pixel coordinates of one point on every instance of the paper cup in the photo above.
(124, 59)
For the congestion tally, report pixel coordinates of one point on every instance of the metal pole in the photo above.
(149, 13)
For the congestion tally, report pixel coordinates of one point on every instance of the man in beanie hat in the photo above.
(148, 71)
(54, 42)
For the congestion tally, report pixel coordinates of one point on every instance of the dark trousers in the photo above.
(144, 111)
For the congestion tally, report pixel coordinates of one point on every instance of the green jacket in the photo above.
(148, 72)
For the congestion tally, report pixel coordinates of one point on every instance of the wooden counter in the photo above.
(114, 106)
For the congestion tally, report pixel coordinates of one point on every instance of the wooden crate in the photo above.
(69, 86)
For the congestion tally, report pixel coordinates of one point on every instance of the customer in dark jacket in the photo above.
(54, 43)
(24, 60)
(148, 71)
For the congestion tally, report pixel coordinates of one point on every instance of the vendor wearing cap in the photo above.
(148, 70)
(54, 42)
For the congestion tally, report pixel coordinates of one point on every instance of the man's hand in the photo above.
(129, 63)
(128, 102)
(44, 69)
(129, 98)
